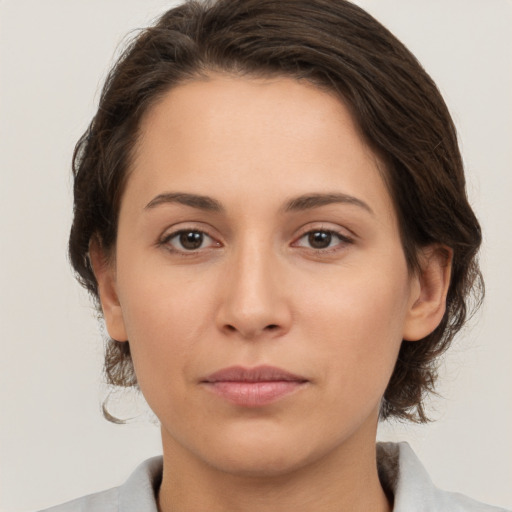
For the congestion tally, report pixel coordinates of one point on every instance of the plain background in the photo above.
(54, 443)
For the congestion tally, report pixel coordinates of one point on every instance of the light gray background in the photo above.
(54, 444)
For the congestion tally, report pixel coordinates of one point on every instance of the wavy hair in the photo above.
(340, 48)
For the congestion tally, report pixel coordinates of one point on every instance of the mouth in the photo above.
(253, 387)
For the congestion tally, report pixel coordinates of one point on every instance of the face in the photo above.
(259, 275)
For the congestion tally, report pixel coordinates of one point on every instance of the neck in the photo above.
(346, 479)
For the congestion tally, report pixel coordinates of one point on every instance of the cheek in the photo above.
(166, 314)
(357, 322)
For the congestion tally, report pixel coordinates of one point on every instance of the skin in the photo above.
(257, 292)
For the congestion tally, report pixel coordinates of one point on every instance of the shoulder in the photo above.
(137, 494)
(404, 476)
(106, 501)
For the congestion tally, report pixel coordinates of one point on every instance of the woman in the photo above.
(270, 210)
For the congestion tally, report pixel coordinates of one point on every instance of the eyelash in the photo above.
(343, 240)
(166, 241)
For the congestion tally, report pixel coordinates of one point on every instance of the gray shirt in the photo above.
(400, 472)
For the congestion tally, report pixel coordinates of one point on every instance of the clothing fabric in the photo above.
(400, 471)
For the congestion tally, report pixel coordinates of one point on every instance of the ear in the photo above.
(429, 289)
(104, 271)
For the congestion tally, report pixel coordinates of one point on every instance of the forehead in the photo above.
(226, 109)
(246, 137)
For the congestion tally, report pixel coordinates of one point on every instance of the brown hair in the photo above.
(336, 46)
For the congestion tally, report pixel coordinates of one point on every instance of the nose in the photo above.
(254, 302)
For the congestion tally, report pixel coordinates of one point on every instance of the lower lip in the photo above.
(254, 394)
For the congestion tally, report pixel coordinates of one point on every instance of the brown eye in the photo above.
(188, 240)
(320, 239)
(323, 240)
(191, 240)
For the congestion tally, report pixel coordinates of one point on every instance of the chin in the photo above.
(260, 463)
(261, 454)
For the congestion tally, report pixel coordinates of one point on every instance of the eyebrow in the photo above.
(309, 201)
(300, 203)
(193, 200)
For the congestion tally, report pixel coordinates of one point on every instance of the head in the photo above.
(332, 47)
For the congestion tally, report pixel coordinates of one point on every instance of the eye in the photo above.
(321, 239)
(187, 240)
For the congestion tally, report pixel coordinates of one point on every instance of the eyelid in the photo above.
(341, 231)
(344, 238)
(174, 231)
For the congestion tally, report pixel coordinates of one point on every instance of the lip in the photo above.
(253, 387)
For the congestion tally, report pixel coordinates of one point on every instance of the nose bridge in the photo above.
(253, 299)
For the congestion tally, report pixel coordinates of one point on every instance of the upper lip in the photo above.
(256, 374)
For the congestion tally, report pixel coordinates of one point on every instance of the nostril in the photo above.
(270, 328)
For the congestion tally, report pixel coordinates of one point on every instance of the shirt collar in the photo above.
(401, 473)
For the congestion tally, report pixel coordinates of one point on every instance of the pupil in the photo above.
(191, 240)
(320, 239)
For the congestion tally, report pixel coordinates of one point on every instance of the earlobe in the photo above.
(104, 271)
(430, 288)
